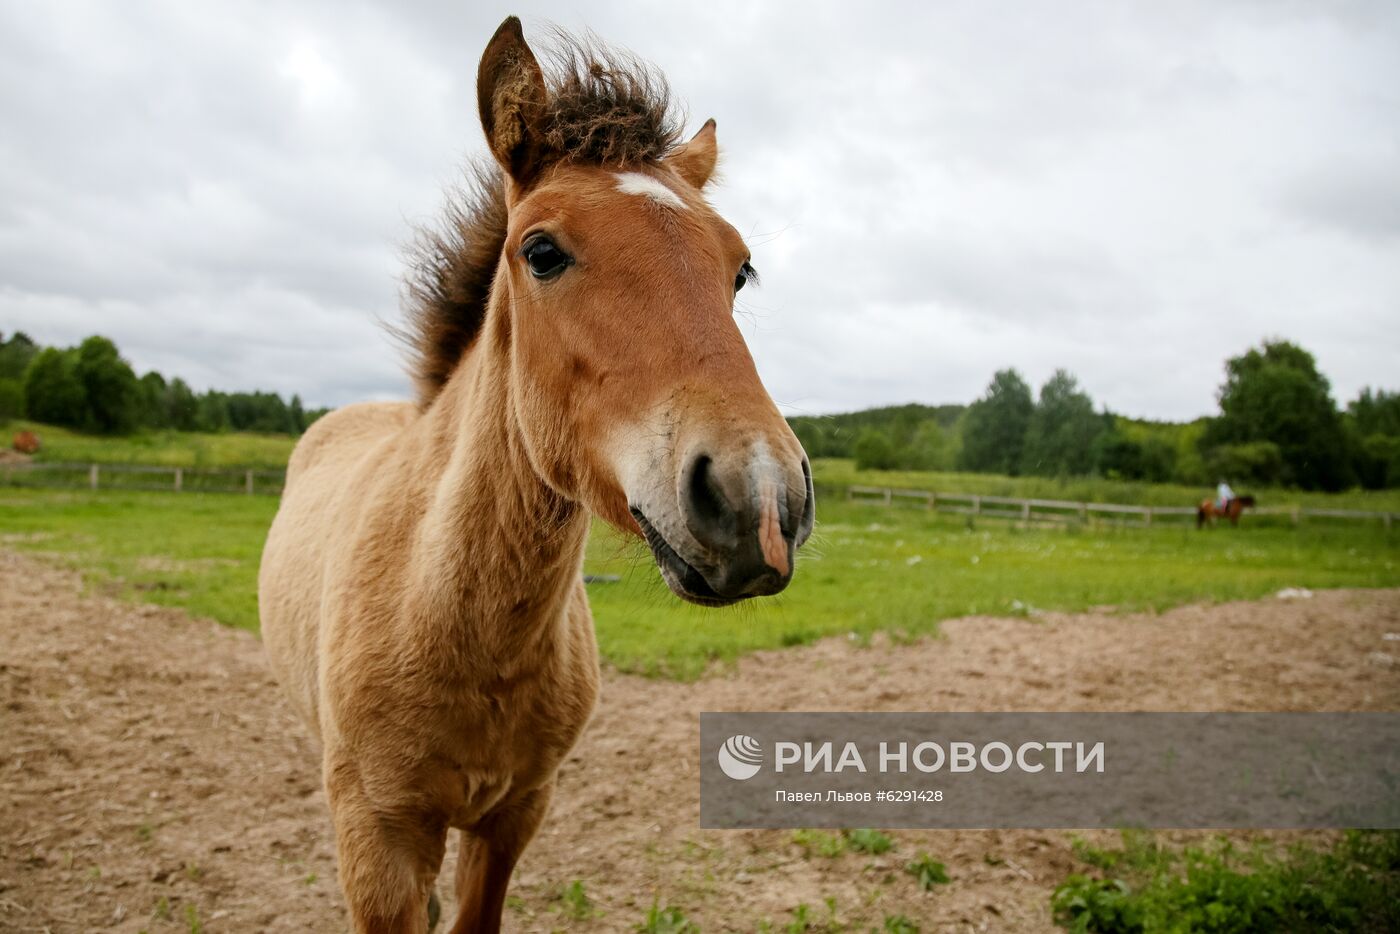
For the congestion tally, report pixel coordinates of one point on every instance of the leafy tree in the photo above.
(154, 401)
(297, 415)
(11, 399)
(994, 427)
(182, 406)
(259, 411)
(112, 391)
(836, 435)
(1256, 462)
(874, 452)
(213, 412)
(1375, 413)
(1120, 457)
(52, 391)
(1062, 430)
(815, 435)
(1377, 461)
(1276, 394)
(932, 448)
(15, 355)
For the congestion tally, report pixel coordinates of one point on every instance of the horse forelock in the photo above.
(607, 108)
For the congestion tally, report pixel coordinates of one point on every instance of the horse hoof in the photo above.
(434, 912)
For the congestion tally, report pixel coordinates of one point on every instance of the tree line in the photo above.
(1277, 426)
(91, 388)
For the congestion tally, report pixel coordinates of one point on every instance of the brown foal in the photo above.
(576, 354)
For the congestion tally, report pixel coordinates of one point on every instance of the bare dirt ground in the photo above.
(152, 779)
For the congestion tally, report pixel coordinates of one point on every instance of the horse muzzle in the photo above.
(734, 529)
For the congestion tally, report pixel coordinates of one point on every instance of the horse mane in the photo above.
(606, 107)
(1246, 500)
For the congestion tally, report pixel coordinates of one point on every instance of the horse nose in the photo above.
(749, 517)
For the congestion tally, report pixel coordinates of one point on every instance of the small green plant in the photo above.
(192, 919)
(575, 903)
(668, 920)
(145, 832)
(869, 841)
(801, 920)
(1355, 885)
(928, 872)
(819, 843)
(898, 924)
(804, 920)
(310, 879)
(162, 909)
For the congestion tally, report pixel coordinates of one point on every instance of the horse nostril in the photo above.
(709, 510)
(800, 521)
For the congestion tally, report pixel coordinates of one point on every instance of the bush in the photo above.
(874, 451)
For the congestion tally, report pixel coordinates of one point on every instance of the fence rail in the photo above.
(1057, 510)
(143, 477)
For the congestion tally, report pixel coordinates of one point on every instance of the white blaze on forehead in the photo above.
(635, 183)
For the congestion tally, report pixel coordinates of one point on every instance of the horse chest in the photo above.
(499, 747)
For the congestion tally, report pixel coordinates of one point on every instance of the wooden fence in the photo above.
(143, 477)
(269, 482)
(1057, 510)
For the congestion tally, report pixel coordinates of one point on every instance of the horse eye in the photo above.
(746, 274)
(545, 258)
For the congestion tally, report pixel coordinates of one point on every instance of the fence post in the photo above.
(1026, 511)
(1295, 515)
(889, 496)
(977, 505)
(92, 476)
(248, 481)
(850, 492)
(1147, 516)
(179, 479)
(933, 502)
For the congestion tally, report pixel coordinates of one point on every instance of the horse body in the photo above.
(439, 646)
(1208, 511)
(421, 592)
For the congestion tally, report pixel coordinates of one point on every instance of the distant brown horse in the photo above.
(1209, 512)
(576, 354)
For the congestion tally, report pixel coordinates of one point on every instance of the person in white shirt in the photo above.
(1223, 495)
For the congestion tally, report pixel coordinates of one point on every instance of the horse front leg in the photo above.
(388, 857)
(487, 859)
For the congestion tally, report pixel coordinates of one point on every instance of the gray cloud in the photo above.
(931, 191)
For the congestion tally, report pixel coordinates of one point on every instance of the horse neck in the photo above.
(499, 552)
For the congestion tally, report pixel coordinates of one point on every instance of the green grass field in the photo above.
(869, 568)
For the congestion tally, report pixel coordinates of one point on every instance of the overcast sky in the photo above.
(932, 191)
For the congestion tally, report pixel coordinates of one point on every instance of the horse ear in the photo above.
(511, 96)
(695, 161)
